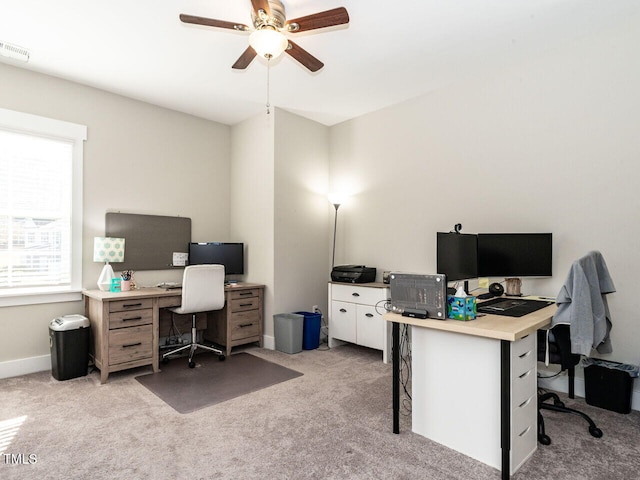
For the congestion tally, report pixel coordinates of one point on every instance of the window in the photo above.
(40, 209)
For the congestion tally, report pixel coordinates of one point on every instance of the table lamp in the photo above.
(107, 249)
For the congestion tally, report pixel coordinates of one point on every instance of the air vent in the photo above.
(14, 51)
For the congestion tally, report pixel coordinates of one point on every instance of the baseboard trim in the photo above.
(560, 384)
(25, 366)
(269, 342)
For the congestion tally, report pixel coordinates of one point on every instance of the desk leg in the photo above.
(505, 407)
(395, 333)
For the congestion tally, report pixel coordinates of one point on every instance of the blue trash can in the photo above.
(310, 330)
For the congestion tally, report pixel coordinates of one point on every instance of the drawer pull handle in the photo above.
(524, 432)
(355, 294)
(243, 325)
(369, 315)
(131, 319)
(244, 294)
(525, 374)
(527, 335)
(343, 310)
(245, 304)
(129, 305)
(526, 354)
(132, 345)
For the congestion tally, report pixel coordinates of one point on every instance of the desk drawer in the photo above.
(131, 318)
(173, 301)
(239, 294)
(242, 304)
(524, 345)
(355, 294)
(245, 325)
(128, 344)
(131, 304)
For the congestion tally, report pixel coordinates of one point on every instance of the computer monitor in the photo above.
(231, 255)
(512, 255)
(457, 255)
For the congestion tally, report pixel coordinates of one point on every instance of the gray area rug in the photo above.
(212, 381)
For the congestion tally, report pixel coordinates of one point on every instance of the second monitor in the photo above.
(231, 255)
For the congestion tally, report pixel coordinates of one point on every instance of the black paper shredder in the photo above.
(69, 342)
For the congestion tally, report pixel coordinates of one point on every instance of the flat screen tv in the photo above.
(457, 255)
(231, 255)
(511, 255)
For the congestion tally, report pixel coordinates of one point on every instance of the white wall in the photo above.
(138, 158)
(279, 171)
(549, 146)
(301, 214)
(252, 200)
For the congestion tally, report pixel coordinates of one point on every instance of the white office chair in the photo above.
(202, 291)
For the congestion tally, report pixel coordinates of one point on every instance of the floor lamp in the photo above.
(336, 200)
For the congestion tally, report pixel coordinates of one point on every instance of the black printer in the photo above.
(353, 274)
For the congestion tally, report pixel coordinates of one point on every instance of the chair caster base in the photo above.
(544, 439)
(221, 357)
(595, 432)
(192, 364)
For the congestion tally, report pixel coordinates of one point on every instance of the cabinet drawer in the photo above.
(127, 344)
(131, 318)
(524, 415)
(523, 386)
(355, 294)
(523, 446)
(245, 325)
(239, 294)
(242, 304)
(132, 304)
(524, 345)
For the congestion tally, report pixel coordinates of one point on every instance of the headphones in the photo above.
(496, 289)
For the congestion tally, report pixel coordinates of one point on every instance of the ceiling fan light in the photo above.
(268, 43)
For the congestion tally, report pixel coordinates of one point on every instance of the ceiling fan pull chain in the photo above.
(268, 65)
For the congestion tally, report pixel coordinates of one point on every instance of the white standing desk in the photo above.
(474, 384)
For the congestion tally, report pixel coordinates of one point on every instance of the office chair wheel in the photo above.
(192, 364)
(165, 360)
(544, 439)
(221, 357)
(595, 432)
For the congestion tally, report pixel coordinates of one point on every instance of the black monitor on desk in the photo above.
(511, 255)
(231, 255)
(457, 256)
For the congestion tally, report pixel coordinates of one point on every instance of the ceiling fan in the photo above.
(269, 26)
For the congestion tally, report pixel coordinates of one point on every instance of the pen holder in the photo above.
(115, 285)
(125, 285)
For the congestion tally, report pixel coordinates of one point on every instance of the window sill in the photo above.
(37, 298)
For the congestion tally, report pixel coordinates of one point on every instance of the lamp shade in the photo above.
(108, 249)
(268, 43)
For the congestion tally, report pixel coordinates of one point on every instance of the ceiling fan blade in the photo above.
(261, 5)
(245, 59)
(304, 57)
(329, 18)
(212, 22)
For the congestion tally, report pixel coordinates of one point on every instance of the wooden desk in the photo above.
(125, 325)
(474, 384)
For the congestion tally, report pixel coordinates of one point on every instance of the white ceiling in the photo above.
(391, 51)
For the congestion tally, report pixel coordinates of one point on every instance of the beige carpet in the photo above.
(333, 422)
(212, 381)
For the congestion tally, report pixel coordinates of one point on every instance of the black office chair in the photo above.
(559, 353)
